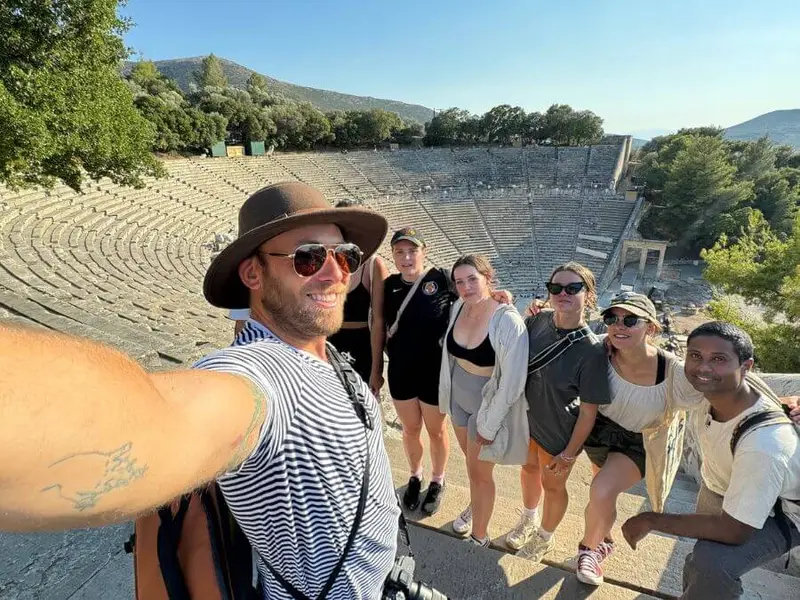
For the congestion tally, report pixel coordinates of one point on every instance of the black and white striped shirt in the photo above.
(295, 497)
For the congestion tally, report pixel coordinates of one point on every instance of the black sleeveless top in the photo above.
(356, 306)
(481, 355)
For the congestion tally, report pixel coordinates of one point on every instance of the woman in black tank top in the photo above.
(355, 338)
(362, 335)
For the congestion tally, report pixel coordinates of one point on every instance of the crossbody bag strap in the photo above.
(556, 349)
(337, 363)
(406, 300)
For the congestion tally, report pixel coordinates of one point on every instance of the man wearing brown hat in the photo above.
(288, 434)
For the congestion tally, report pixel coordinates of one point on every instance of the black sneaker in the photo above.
(411, 497)
(433, 499)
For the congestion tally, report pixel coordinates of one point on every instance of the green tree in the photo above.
(702, 198)
(211, 73)
(765, 270)
(408, 134)
(755, 159)
(445, 128)
(503, 123)
(561, 125)
(777, 200)
(64, 110)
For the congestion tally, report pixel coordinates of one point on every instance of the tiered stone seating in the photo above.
(411, 169)
(304, 170)
(342, 170)
(406, 212)
(602, 160)
(475, 165)
(509, 224)
(572, 166)
(541, 164)
(375, 168)
(509, 163)
(555, 227)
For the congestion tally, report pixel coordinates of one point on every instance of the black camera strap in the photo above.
(346, 376)
(404, 535)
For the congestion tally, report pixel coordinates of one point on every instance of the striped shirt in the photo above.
(296, 495)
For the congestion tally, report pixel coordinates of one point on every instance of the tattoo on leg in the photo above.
(119, 469)
(244, 443)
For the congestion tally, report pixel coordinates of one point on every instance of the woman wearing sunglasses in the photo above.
(637, 372)
(363, 333)
(567, 381)
(482, 387)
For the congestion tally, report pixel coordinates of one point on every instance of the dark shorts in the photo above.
(607, 437)
(419, 379)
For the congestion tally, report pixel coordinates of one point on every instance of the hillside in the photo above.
(782, 126)
(181, 69)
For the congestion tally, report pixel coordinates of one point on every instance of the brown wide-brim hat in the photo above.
(276, 209)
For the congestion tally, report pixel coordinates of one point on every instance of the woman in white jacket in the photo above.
(482, 387)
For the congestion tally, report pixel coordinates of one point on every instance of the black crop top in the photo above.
(481, 355)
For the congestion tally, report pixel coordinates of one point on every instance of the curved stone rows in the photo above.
(125, 266)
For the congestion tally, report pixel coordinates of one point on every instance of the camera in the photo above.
(400, 584)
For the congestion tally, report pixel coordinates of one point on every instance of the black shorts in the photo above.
(356, 344)
(419, 379)
(607, 436)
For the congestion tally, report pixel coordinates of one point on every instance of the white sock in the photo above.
(481, 540)
(545, 535)
(417, 474)
(530, 512)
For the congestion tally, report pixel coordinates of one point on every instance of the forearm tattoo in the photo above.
(103, 473)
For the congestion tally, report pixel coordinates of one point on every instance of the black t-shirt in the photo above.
(424, 321)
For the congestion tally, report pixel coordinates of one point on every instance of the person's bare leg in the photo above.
(436, 426)
(530, 477)
(617, 475)
(410, 416)
(461, 437)
(556, 498)
(482, 490)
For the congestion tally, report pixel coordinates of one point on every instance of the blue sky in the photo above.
(643, 66)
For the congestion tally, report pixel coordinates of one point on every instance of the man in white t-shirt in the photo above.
(735, 525)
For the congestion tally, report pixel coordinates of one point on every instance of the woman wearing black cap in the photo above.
(417, 305)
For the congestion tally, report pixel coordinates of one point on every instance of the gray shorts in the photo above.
(465, 399)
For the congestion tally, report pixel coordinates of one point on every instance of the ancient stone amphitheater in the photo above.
(124, 266)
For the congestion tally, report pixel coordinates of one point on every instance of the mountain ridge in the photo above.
(181, 70)
(782, 127)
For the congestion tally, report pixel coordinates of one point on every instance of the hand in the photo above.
(533, 309)
(559, 466)
(636, 528)
(503, 296)
(376, 383)
(793, 402)
(482, 441)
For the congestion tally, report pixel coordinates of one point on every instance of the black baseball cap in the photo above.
(634, 303)
(409, 233)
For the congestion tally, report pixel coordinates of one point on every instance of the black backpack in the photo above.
(757, 420)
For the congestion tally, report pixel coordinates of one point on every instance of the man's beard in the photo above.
(295, 316)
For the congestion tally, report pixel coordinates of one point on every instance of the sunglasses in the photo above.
(628, 320)
(571, 288)
(308, 259)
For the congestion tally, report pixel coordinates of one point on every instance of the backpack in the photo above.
(779, 415)
(192, 549)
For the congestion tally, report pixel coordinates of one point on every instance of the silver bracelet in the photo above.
(565, 458)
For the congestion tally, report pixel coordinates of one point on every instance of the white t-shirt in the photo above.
(635, 407)
(766, 466)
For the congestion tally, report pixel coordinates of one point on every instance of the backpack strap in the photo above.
(767, 418)
(406, 300)
(762, 418)
(349, 380)
(557, 348)
(169, 535)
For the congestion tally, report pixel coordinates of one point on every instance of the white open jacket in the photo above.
(502, 416)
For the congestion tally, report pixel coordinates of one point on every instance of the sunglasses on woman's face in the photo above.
(308, 259)
(628, 320)
(571, 288)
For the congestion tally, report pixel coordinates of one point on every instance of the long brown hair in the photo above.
(586, 276)
(480, 263)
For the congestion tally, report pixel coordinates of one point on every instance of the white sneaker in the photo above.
(536, 548)
(463, 522)
(589, 570)
(523, 531)
(484, 543)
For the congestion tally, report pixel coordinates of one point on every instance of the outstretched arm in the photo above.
(87, 437)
